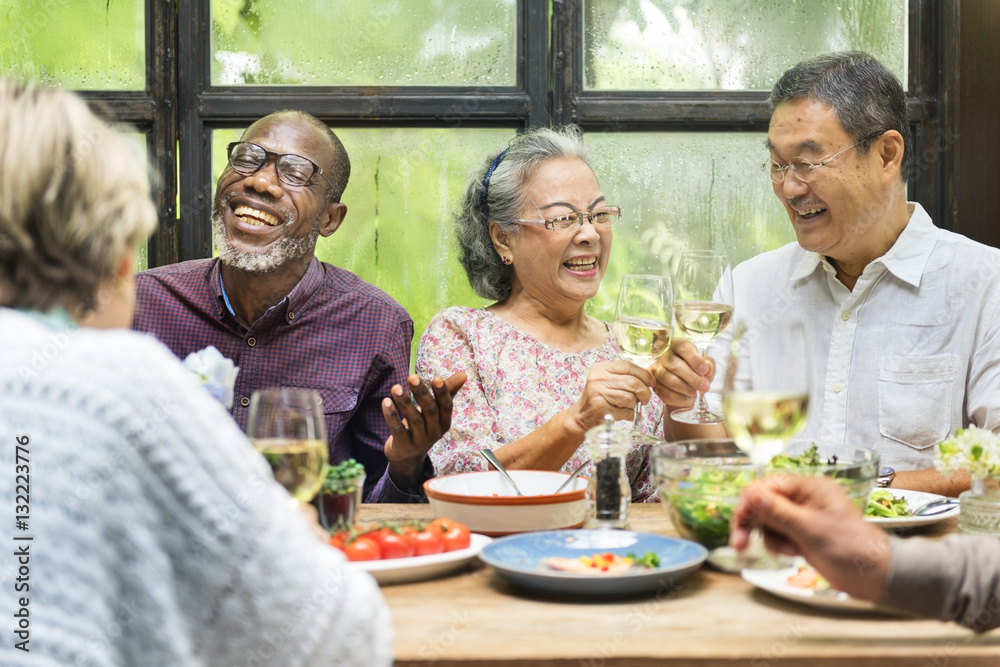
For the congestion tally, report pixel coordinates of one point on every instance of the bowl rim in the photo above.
(542, 499)
(873, 458)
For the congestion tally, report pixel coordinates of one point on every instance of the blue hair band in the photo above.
(483, 203)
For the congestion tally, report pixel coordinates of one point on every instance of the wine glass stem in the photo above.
(637, 419)
(700, 407)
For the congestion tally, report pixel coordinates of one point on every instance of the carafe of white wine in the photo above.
(609, 492)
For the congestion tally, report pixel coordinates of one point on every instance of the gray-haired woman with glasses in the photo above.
(535, 233)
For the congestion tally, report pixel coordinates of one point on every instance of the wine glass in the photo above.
(703, 307)
(287, 427)
(766, 391)
(643, 328)
(766, 401)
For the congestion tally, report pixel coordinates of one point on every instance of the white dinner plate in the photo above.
(775, 582)
(520, 559)
(418, 568)
(914, 499)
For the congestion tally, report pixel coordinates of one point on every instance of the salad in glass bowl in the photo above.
(700, 480)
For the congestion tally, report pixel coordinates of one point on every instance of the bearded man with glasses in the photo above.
(286, 319)
(903, 317)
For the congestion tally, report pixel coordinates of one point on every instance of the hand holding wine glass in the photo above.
(643, 327)
(287, 427)
(703, 307)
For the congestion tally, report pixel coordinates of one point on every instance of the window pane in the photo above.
(138, 140)
(731, 44)
(372, 43)
(680, 191)
(398, 234)
(78, 45)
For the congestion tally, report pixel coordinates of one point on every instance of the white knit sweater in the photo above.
(160, 537)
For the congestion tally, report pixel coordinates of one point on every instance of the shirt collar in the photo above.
(906, 258)
(292, 305)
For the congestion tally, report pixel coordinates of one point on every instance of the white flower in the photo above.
(973, 449)
(215, 372)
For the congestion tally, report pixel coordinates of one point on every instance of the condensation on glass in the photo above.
(78, 45)
(139, 145)
(371, 43)
(680, 191)
(404, 189)
(731, 44)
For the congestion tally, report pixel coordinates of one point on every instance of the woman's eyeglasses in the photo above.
(599, 217)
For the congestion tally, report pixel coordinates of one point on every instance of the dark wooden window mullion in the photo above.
(566, 59)
(533, 55)
(194, 54)
(161, 77)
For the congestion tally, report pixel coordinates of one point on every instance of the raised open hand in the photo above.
(416, 424)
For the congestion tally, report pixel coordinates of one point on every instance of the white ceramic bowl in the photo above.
(486, 502)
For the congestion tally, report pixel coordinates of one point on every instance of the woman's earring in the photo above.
(505, 259)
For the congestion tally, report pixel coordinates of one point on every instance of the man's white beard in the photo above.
(285, 250)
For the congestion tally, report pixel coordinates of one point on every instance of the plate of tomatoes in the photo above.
(397, 552)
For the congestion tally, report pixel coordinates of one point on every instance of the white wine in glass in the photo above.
(643, 328)
(703, 308)
(287, 427)
(766, 389)
(766, 400)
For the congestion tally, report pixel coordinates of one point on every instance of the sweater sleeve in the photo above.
(276, 586)
(956, 579)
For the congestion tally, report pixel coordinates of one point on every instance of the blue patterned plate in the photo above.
(519, 558)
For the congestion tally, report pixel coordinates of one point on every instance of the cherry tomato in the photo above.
(362, 548)
(338, 539)
(457, 537)
(428, 541)
(392, 544)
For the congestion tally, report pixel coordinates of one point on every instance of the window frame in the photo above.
(739, 111)
(179, 109)
(206, 107)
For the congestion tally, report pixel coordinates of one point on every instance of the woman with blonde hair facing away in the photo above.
(155, 534)
(535, 232)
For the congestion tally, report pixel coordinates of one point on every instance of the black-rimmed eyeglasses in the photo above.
(247, 158)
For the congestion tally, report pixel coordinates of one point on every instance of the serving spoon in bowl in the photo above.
(572, 476)
(491, 457)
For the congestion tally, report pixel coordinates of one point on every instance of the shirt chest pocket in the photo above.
(338, 403)
(915, 398)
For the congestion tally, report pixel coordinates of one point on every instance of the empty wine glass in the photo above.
(643, 329)
(287, 427)
(703, 307)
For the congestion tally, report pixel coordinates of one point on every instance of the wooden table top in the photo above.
(712, 619)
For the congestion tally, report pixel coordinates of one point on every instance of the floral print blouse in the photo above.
(515, 385)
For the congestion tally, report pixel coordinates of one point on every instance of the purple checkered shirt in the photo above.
(334, 333)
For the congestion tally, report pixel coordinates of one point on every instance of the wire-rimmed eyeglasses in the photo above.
(246, 157)
(803, 169)
(604, 216)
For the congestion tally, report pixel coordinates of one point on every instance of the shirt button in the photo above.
(291, 316)
(244, 401)
(251, 341)
(836, 387)
(845, 315)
